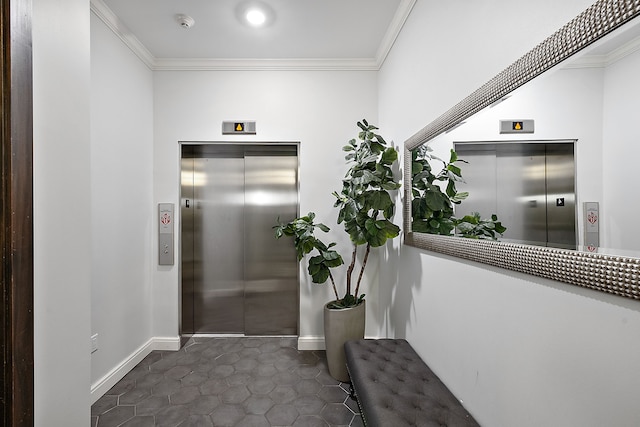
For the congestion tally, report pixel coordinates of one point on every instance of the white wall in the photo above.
(517, 350)
(621, 206)
(317, 108)
(121, 203)
(62, 220)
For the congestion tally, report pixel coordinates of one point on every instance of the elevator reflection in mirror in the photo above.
(236, 277)
(530, 185)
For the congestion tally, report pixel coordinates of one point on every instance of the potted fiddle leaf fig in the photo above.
(365, 208)
(432, 210)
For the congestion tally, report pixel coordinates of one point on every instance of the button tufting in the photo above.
(396, 388)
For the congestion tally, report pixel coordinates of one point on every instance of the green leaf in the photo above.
(459, 197)
(454, 156)
(389, 156)
(436, 201)
(455, 170)
(416, 167)
(379, 200)
(323, 227)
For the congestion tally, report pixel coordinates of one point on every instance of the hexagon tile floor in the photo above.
(229, 382)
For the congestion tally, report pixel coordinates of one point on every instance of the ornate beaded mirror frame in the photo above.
(612, 274)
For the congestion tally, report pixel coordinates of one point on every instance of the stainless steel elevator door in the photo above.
(271, 270)
(529, 185)
(521, 192)
(236, 277)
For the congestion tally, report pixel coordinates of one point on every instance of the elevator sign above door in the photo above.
(239, 128)
(516, 126)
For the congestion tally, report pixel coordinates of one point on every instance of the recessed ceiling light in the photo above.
(255, 17)
(255, 13)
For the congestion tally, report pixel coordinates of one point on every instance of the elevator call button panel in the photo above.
(165, 233)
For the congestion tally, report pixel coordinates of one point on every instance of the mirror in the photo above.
(569, 97)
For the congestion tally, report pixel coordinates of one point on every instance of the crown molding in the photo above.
(602, 61)
(106, 15)
(402, 13)
(170, 64)
(110, 19)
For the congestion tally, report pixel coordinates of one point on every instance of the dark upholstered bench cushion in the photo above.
(394, 387)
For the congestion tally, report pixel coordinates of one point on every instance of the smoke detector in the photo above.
(185, 21)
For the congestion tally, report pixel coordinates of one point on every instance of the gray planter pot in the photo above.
(341, 325)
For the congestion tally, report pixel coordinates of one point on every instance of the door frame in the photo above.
(16, 171)
(184, 337)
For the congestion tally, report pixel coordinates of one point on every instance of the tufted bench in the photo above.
(395, 388)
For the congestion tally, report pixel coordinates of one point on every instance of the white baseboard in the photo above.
(311, 343)
(100, 387)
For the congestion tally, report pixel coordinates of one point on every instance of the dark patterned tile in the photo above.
(172, 416)
(308, 371)
(265, 370)
(283, 394)
(184, 395)
(194, 378)
(238, 378)
(228, 359)
(332, 394)
(188, 359)
(227, 415)
(245, 365)
(149, 380)
(236, 394)
(309, 405)
(253, 421)
(269, 346)
(357, 421)
(104, 404)
(325, 379)
(214, 387)
(307, 386)
(229, 382)
(286, 378)
(221, 371)
(152, 405)
(261, 385)
(337, 414)
(122, 387)
(166, 387)
(178, 372)
(310, 421)
(116, 416)
(197, 421)
(258, 405)
(138, 421)
(204, 405)
(282, 415)
(133, 396)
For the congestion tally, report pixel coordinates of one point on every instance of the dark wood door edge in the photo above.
(17, 213)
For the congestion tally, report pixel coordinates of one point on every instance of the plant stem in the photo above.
(364, 263)
(333, 283)
(350, 269)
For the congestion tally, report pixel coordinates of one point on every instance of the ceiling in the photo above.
(300, 34)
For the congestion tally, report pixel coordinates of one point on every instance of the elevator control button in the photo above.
(165, 233)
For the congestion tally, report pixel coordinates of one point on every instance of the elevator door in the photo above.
(236, 277)
(529, 185)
